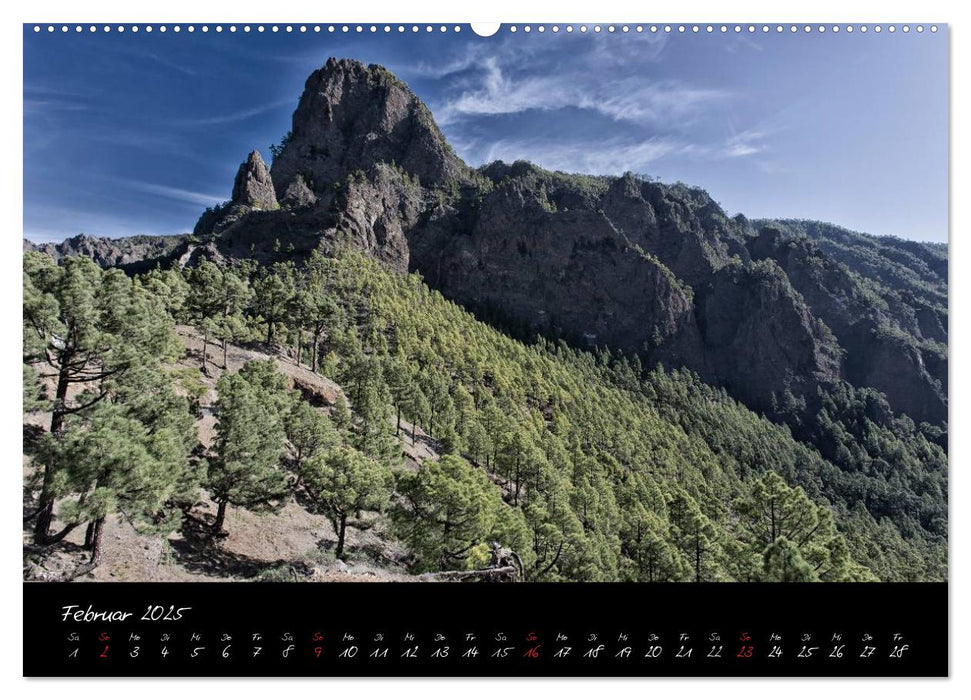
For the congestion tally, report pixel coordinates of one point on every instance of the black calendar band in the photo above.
(406, 629)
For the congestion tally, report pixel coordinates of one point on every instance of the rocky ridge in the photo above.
(634, 265)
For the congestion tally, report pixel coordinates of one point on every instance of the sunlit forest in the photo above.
(587, 465)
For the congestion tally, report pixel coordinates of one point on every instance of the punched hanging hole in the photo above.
(485, 29)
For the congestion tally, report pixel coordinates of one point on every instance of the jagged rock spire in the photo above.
(254, 186)
(352, 116)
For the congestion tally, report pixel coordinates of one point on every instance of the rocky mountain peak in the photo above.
(625, 262)
(254, 186)
(352, 116)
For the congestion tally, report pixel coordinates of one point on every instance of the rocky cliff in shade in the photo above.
(643, 267)
(880, 353)
(253, 186)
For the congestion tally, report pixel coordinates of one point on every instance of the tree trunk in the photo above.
(341, 531)
(397, 428)
(89, 536)
(205, 350)
(313, 352)
(225, 354)
(96, 533)
(269, 332)
(516, 496)
(45, 513)
(217, 526)
(772, 534)
(299, 344)
(44, 518)
(697, 559)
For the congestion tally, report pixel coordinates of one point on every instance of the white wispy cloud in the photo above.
(175, 193)
(134, 51)
(236, 116)
(33, 106)
(607, 157)
(648, 115)
(470, 58)
(167, 63)
(633, 98)
(746, 143)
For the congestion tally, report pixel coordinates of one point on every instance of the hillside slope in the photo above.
(291, 544)
(827, 348)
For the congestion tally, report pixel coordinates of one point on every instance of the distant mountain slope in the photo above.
(133, 253)
(919, 267)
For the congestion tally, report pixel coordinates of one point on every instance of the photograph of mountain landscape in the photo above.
(462, 319)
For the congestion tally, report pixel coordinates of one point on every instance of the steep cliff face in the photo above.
(368, 211)
(522, 259)
(881, 341)
(681, 226)
(253, 186)
(638, 266)
(352, 116)
(757, 333)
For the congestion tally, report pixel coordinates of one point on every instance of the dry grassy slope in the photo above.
(291, 542)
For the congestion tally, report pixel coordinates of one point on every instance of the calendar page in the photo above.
(542, 350)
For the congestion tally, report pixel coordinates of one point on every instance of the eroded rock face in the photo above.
(681, 226)
(298, 194)
(352, 116)
(253, 187)
(545, 270)
(758, 334)
(881, 352)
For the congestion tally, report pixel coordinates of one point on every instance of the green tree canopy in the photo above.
(85, 327)
(449, 508)
(341, 483)
(250, 442)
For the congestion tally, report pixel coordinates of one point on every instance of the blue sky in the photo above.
(138, 133)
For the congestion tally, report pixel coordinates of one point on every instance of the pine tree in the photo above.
(696, 537)
(449, 507)
(341, 483)
(341, 414)
(273, 292)
(401, 387)
(88, 328)
(234, 297)
(784, 563)
(250, 442)
(309, 432)
(205, 303)
(317, 308)
(170, 287)
(773, 510)
(128, 455)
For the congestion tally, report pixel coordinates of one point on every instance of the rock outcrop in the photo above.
(352, 116)
(634, 265)
(881, 352)
(253, 187)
